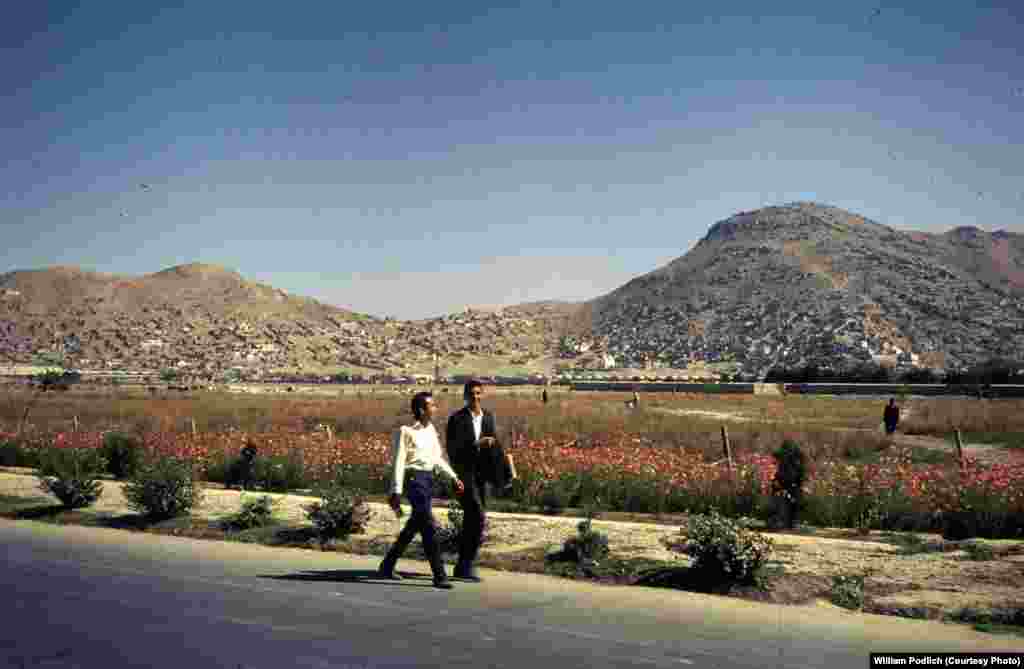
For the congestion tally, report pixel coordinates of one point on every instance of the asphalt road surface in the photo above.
(86, 597)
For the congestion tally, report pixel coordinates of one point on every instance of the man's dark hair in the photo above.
(468, 388)
(419, 402)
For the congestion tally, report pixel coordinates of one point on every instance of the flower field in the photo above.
(627, 471)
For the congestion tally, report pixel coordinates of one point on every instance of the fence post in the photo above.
(24, 420)
(959, 447)
(726, 447)
(330, 434)
(76, 423)
(193, 426)
(728, 458)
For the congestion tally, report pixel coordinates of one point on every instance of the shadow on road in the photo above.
(412, 579)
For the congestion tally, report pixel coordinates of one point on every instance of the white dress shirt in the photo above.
(419, 448)
(478, 424)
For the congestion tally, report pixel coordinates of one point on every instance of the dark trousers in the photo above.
(419, 490)
(474, 507)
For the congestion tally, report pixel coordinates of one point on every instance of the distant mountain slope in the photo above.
(787, 285)
(203, 314)
(206, 319)
(809, 282)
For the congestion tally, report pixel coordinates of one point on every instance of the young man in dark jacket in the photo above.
(471, 431)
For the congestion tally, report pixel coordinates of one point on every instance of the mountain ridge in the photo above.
(782, 285)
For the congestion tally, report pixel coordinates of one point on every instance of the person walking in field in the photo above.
(891, 416)
(415, 452)
(469, 430)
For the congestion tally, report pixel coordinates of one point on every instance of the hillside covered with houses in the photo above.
(779, 288)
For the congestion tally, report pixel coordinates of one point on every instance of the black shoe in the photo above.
(443, 584)
(467, 575)
(388, 574)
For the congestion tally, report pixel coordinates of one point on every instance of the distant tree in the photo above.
(919, 375)
(168, 374)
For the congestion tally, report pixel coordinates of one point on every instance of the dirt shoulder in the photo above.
(936, 581)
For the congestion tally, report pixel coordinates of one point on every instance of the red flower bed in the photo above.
(930, 487)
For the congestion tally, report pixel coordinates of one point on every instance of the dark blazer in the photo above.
(471, 461)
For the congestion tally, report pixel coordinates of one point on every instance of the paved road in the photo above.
(91, 597)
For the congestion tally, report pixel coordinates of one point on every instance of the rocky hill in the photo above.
(810, 283)
(781, 286)
(204, 319)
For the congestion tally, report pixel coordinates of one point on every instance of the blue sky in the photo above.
(410, 159)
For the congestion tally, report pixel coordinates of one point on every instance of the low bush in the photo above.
(979, 552)
(13, 454)
(254, 512)
(555, 498)
(725, 550)
(71, 475)
(280, 473)
(163, 487)
(588, 547)
(848, 591)
(368, 478)
(340, 513)
(449, 535)
(123, 453)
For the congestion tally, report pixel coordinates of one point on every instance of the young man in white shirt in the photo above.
(415, 451)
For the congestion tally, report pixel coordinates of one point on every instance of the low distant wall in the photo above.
(661, 387)
(880, 389)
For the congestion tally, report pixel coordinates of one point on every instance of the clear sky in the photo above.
(409, 159)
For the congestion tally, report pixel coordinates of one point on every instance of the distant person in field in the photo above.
(891, 416)
(544, 396)
(469, 430)
(415, 452)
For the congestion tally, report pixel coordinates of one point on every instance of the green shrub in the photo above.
(897, 511)
(726, 550)
(123, 453)
(71, 475)
(339, 513)
(280, 474)
(555, 496)
(787, 486)
(257, 512)
(216, 470)
(13, 454)
(370, 479)
(979, 552)
(848, 591)
(449, 535)
(164, 487)
(527, 490)
(588, 547)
